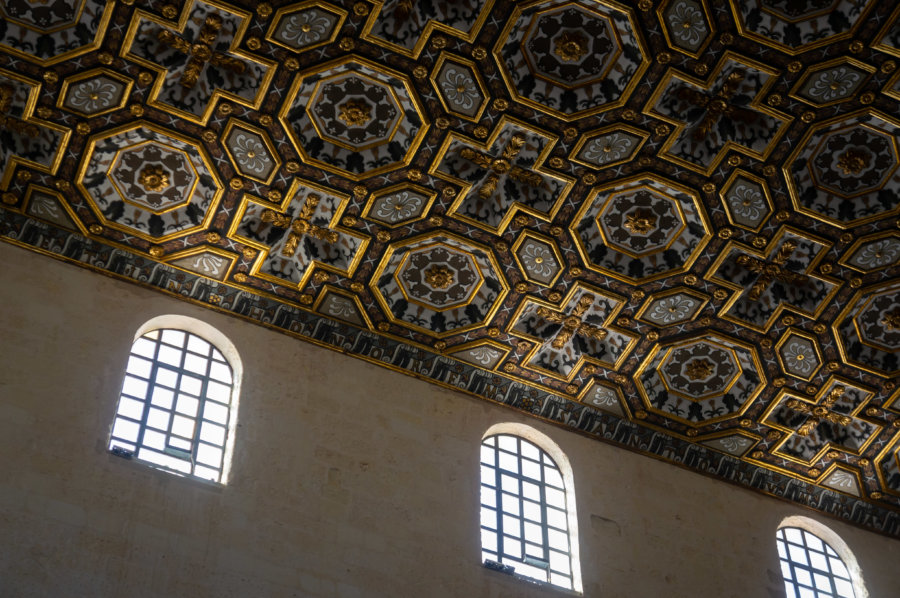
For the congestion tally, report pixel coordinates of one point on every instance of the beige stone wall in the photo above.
(348, 480)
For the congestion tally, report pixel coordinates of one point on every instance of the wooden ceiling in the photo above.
(673, 225)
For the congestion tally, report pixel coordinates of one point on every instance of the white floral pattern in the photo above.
(207, 263)
(747, 202)
(251, 154)
(305, 28)
(399, 206)
(833, 84)
(734, 445)
(94, 95)
(609, 148)
(538, 260)
(483, 355)
(45, 206)
(673, 308)
(460, 89)
(877, 254)
(842, 480)
(799, 358)
(341, 307)
(604, 397)
(686, 24)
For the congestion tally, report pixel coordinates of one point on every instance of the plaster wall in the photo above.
(348, 480)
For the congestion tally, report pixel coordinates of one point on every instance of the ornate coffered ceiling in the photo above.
(672, 225)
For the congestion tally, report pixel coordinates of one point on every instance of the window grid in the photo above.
(174, 408)
(811, 568)
(524, 521)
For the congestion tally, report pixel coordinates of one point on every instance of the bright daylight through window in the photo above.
(524, 522)
(811, 568)
(174, 408)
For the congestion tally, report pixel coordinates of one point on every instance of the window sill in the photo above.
(163, 473)
(535, 582)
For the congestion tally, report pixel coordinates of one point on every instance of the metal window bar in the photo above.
(178, 393)
(515, 503)
(811, 567)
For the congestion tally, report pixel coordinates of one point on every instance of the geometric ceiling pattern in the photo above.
(672, 225)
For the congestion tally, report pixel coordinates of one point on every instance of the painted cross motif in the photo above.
(718, 105)
(714, 118)
(200, 59)
(201, 51)
(300, 234)
(820, 413)
(578, 331)
(572, 324)
(299, 226)
(830, 420)
(784, 277)
(502, 178)
(497, 166)
(771, 271)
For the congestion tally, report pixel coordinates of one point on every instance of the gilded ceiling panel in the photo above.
(671, 225)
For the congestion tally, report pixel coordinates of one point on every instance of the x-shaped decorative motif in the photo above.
(201, 52)
(300, 226)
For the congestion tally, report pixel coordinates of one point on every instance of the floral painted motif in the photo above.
(604, 397)
(538, 260)
(854, 161)
(699, 369)
(45, 206)
(733, 445)
(483, 355)
(154, 176)
(799, 358)
(439, 276)
(673, 308)
(640, 222)
(305, 28)
(833, 84)
(687, 24)
(842, 480)
(609, 148)
(209, 264)
(570, 58)
(877, 254)
(460, 89)
(747, 203)
(251, 154)
(398, 207)
(94, 95)
(341, 307)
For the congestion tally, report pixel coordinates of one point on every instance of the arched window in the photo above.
(528, 518)
(178, 401)
(815, 562)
